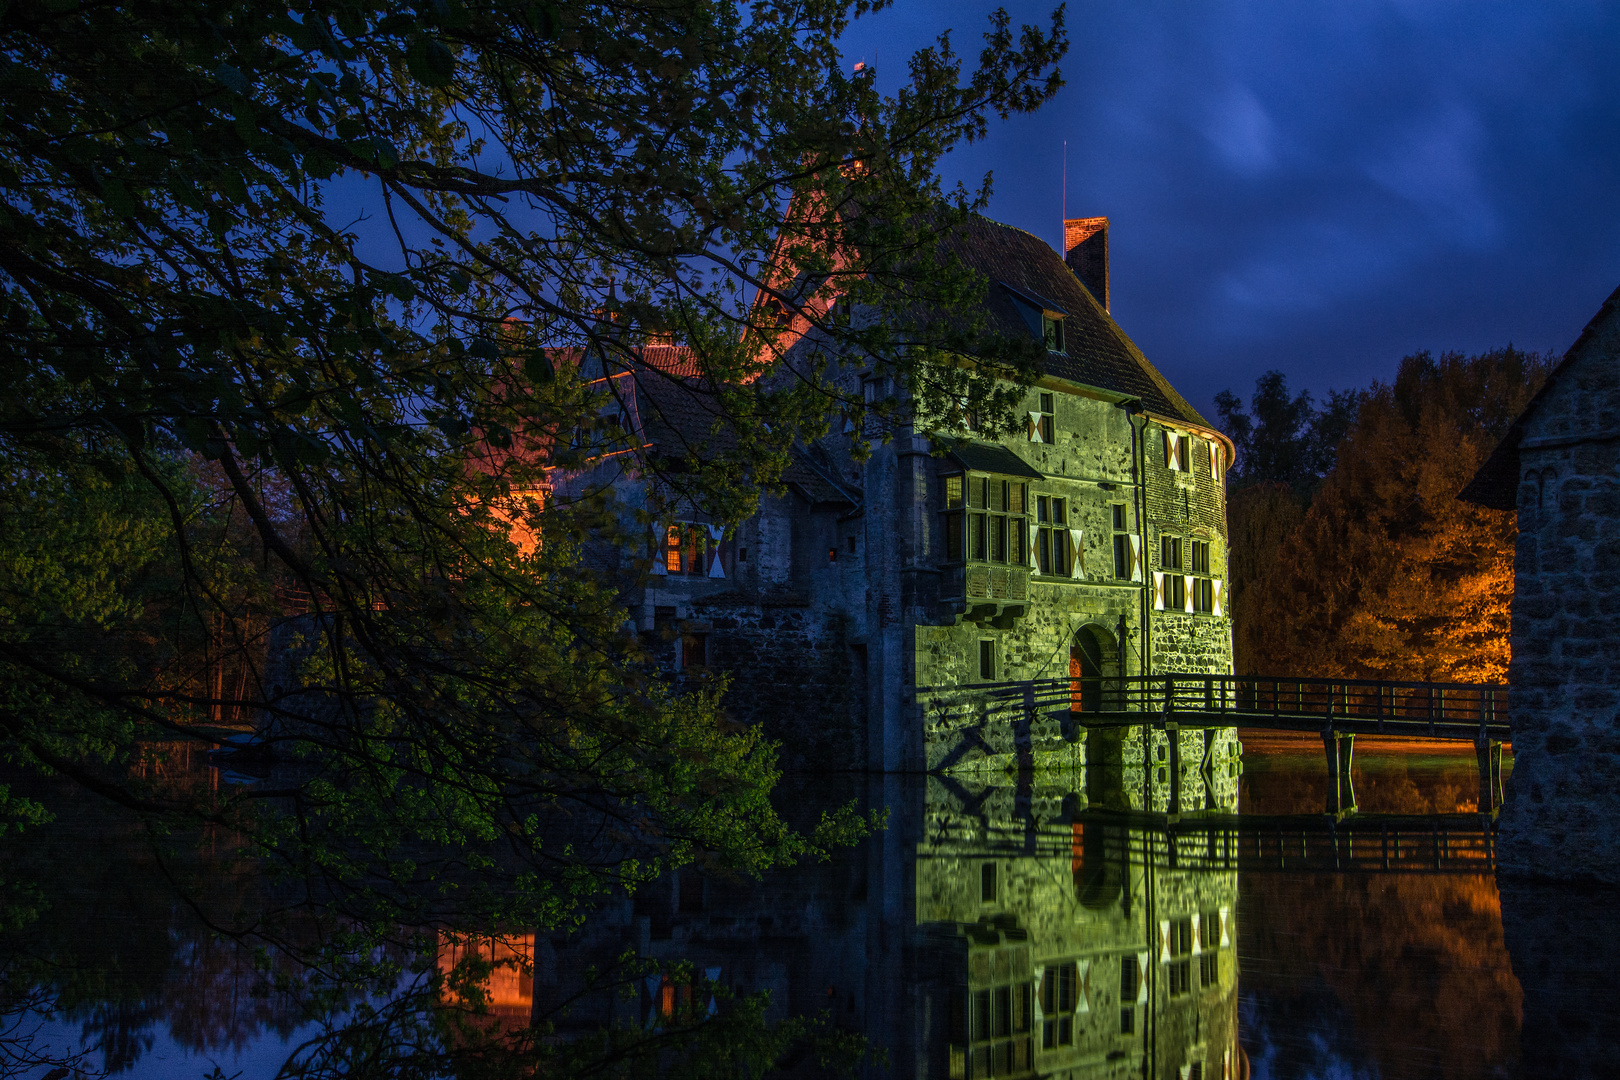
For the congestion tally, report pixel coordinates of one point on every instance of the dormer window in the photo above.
(1052, 331)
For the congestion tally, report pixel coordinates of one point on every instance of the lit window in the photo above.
(1053, 552)
(995, 525)
(1059, 988)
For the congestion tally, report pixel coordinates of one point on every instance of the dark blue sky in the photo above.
(1318, 188)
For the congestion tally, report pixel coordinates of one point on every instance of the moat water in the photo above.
(994, 928)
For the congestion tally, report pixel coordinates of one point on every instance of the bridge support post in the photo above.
(1489, 752)
(1340, 748)
(1173, 731)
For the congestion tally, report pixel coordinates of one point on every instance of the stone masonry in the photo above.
(1559, 467)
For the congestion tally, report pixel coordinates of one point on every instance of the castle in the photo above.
(862, 611)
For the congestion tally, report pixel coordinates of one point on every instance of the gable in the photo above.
(1579, 402)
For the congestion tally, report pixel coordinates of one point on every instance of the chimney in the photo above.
(1085, 249)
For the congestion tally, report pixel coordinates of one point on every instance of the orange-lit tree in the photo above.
(1388, 574)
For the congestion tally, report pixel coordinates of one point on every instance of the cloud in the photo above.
(1242, 132)
(1432, 163)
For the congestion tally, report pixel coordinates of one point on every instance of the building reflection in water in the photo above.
(989, 931)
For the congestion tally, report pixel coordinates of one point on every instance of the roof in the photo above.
(1098, 353)
(993, 458)
(680, 416)
(1496, 484)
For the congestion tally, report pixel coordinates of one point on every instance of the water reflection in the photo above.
(1008, 926)
(990, 931)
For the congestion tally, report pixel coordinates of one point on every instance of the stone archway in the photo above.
(1093, 669)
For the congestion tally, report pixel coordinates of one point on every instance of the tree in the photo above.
(1388, 574)
(320, 430)
(1285, 439)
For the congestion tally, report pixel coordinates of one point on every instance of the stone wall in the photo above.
(1565, 672)
(794, 669)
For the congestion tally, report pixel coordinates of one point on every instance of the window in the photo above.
(1179, 944)
(1043, 422)
(1052, 331)
(1209, 969)
(1058, 994)
(1129, 976)
(994, 527)
(832, 554)
(1172, 586)
(1130, 980)
(1052, 547)
(694, 650)
(987, 660)
(1122, 544)
(987, 883)
(993, 1021)
(742, 554)
(1205, 590)
(690, 549)
(1177, 448)
(850, 541)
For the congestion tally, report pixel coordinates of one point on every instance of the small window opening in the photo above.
(987, 660)
(832, 554)
(851, 542)
(694, 650)
(1052, 331)
(742, 554)
(987, 883)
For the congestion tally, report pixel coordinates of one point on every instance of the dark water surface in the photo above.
(999, 926)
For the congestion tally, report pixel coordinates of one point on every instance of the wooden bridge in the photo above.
(1337, 709)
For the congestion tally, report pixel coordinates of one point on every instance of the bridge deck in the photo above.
(1462, 711)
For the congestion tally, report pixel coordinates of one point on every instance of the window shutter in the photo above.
(1169, 450)
(1197, 934)
(1082, 987)
(1164, 941)
(1187, 592)
(716, 568)
(1141, 978)
(1034, 427)
(1214, 460)
(660, 547)
(1158, 595)
(1215, 588)
(1226, 937)
(1077, 565)
(1034, 547)
(1136, 557)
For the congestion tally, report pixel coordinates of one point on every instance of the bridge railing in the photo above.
(1366, 704)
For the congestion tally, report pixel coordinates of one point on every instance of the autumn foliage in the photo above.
(1387, 574)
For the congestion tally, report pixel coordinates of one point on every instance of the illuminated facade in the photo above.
(1090, 544)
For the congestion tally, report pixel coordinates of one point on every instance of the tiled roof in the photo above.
(679, 418)
(994, 458)
(1098, 353)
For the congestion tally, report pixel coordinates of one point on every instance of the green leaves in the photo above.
(312, 297)
(430, 62)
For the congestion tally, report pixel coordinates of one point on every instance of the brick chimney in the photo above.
(1085, 249)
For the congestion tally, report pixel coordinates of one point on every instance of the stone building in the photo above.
(1559, 469)
(865, 612)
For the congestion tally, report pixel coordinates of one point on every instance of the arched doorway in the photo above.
(1093, 669)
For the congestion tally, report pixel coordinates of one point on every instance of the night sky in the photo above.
(1317, 188)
